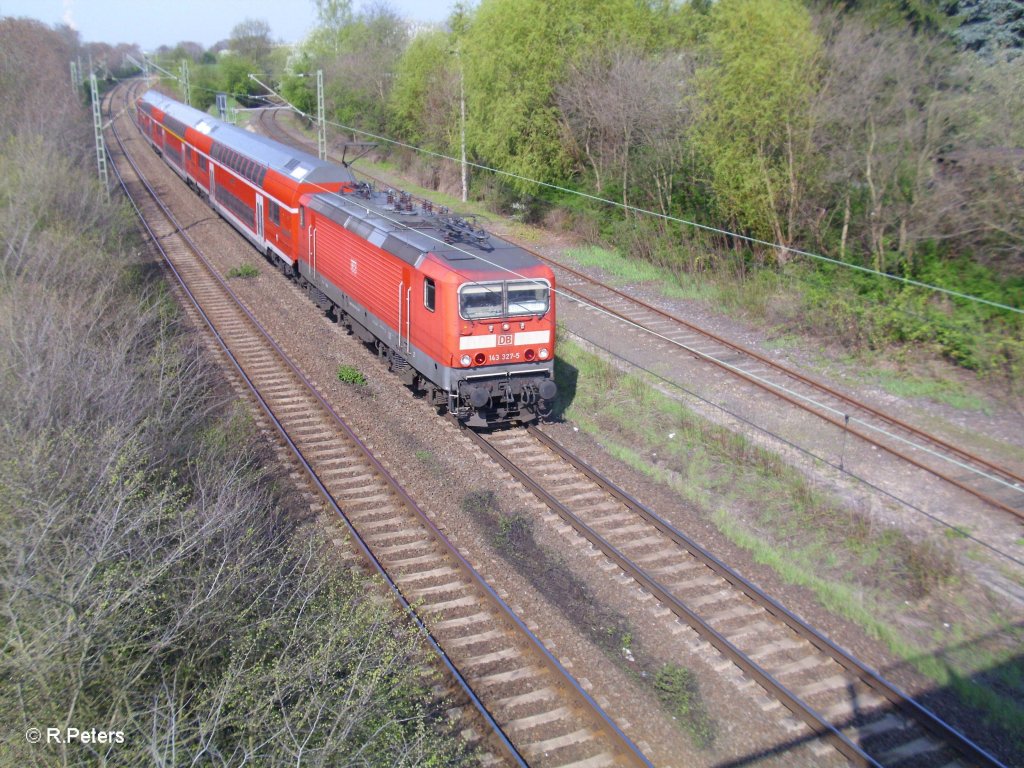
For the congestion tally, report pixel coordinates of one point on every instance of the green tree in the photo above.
(515, 52)
(234, 75)
(424, 100)
(205, 84)
(921, 15)
(753, 120)
(358, 55)
(333, 19)
(298, 86)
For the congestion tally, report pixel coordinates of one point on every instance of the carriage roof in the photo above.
(300, 166)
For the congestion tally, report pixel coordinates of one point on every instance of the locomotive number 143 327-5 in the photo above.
(499, 357)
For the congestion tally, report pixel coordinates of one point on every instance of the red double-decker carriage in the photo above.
(463, 315)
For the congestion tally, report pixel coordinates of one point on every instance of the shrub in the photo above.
(246, 270)
(677, 689)
(349, 374)
(154, 580)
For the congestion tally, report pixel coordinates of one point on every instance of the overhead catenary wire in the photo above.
(768, 383)
(398, 223)
(667, 217)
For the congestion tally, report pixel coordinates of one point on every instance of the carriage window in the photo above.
(429, 293)
(275, 213)
(527, 298)
(478, 301)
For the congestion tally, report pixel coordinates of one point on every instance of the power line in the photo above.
(670, 218)
(766, 382)
(397, 222)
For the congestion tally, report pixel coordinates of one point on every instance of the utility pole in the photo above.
(458, 24)
(74, 77)
(321, 124)
(185, 85)
(97, 120)
(462, 131)
(462, 107)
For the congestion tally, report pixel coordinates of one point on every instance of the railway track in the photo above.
(533, 712)
(996, 485)
(839, 699)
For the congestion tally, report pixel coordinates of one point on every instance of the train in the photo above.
(463, 317)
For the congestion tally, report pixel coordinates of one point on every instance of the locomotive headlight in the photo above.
(505, 326)
(543, 354)
(466, 360)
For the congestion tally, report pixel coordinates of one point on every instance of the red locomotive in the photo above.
(465, 316)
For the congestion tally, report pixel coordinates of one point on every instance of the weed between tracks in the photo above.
(674, 686)
(677, 689)
(246, 270)
(349, 374)
(897, 588)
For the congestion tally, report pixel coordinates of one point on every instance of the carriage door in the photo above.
(405, 310)
(259, 217)
(310, 240)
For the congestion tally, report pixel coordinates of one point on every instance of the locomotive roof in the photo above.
(408, 234)
(295, 163)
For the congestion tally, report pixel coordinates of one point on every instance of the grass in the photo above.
(957, 532)
(908, 386)
(349, 374)
(244, 271)
(632, 271)
(784, 341)
(751, 296)
(854, 569)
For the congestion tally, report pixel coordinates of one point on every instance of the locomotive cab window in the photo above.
(527, 298)
(429, 293)
(480, 301)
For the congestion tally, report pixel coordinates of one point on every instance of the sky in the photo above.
(152, 23)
